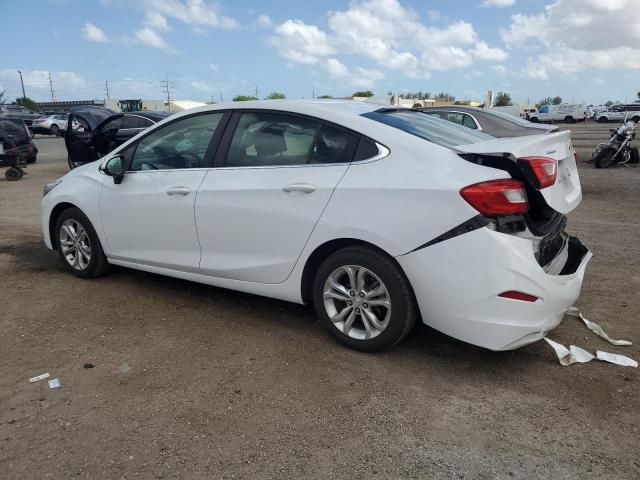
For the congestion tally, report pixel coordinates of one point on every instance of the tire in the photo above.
(378, 271)
(604, 158)
(13, 174)
(74, 219)
(635, 156)
(635, 119)
(603, 119)
(569, 119)
(55, 130)
(533, 119)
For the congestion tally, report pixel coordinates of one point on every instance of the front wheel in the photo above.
(363, 299)
(604, 158)
(55, 131)
(78, 245)
(635, 156)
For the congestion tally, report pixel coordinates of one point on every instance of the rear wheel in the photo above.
(55, 130)
(363, 299)
(603, 119)
(604, 158)
(635, 156)
(569, 119)
(533, 119)
(78, 245)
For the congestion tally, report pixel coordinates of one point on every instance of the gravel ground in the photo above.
(191, 381)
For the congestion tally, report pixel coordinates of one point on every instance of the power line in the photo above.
(53, 96)
(167, 90)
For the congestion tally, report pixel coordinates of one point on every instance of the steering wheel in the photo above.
(153, 167)
(191, 159)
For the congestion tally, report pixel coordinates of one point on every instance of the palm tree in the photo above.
(2, 97)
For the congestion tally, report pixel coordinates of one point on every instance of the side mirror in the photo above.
(114, 167)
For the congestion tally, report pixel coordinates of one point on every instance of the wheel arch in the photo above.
(53, 219)
(322, 252)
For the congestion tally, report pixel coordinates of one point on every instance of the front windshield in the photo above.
(433, 129)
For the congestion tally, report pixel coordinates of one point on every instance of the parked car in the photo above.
(92, 132)
(50, 124)
(618, 113)
(496, 124)
(18, 111)
(377, 216)
(16, 139)
(559, 113)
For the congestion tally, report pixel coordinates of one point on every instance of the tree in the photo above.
(417, 105)
(543, 102)
(243, 98)
(366, 93)
(638, 95)
(556, 100)
(503, 99)
(276, 96)
(325, 96)
(2, 97)
(392, 100)
(608, 104)
(27, 103)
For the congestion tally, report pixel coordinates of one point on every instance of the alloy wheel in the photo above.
(357, 302)
(75, 244)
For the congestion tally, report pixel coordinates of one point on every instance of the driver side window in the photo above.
(178, 145)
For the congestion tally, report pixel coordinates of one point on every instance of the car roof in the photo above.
(151, 115)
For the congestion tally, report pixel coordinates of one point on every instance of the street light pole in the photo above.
(24, 95)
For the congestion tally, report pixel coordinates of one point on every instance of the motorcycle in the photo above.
(619, 149)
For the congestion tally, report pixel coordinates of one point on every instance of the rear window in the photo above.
(430, 128)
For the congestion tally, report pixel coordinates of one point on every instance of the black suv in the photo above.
(16, 139)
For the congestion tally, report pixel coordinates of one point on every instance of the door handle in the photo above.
(299, 187)
(184, 191)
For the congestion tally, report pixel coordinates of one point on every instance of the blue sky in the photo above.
(583, 50)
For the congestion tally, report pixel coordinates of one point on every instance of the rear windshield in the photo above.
(434, 129)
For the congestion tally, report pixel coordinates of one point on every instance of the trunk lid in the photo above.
(566, 193)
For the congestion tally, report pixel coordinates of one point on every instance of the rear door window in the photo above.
(333, 145)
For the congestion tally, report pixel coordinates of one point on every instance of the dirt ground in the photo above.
(228, 385)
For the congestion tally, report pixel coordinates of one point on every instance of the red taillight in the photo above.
(497, 197)
(545, 170)
(514, 295)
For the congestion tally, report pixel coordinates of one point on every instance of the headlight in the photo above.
(50, 186)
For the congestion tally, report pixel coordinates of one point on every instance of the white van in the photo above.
(559, 113)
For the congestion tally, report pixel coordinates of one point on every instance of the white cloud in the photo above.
(93, 34)
(264, 21)
(390, 35)
(36, 82)
(335, 68)
(498, 3)
(577, 35)
(156, 21)
(197, 13)
(500, 69)
(213, 67)
(150, 38)
(301, 43)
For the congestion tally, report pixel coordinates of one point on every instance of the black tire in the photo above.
(403, 305)
(604, 158)
(603, 119)
(635, 119)
(635, 156)
(70, 163)
(13, 174)
(55, 130)
(97, 264)
(533, 119)
(569, 119)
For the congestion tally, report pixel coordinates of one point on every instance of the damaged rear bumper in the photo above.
(457, 283)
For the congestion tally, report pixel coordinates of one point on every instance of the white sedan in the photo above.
(378, 216)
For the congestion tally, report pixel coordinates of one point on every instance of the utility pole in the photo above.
(106, 87)
(24, 95)
(256, 91)
(53, 96)
(167, 89)
(313, 92)
(221, 97)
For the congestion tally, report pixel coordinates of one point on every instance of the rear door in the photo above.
(275, 174)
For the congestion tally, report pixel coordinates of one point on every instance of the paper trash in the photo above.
(617, 359)
(572, 355)
(38, 378)
(595, 328)
(55, 383)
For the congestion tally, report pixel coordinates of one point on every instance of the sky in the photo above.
(582, 50)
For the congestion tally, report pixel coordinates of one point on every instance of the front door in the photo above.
(256, 211)
(149, 217)
(79, 141)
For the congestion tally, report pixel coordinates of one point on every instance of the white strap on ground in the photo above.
(578, 355)
(595, 328)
